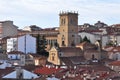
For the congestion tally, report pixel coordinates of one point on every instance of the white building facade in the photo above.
(25, 44)
(95, 37)
(118, 39)
(16, 58)
(11, 44)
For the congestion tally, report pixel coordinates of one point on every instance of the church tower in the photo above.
(68, 29)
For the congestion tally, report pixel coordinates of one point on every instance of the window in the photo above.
(60, 54)
(63, 21)
(53, 56)
(63, 38)
(71, 21)
(72, 44)
(73, 35)
(63, 43)
(93, 57)
(11, 57)
(16, 57)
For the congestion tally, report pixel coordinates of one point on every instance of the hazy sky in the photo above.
(45, 13)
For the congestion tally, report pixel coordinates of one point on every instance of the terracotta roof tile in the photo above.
(34, 55)
(91, 51)
(46, 70)
(70, 49)
(5, 71)
(15, 52)
(86, 45)
(115, 49)
(115, 63)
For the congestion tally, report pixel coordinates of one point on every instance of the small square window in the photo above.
(72, 35)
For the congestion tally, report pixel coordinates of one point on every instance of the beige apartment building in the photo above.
(7, 29)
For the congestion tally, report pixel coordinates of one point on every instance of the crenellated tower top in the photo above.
(68, 12)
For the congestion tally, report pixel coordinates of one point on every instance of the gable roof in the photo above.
(54, 48)
(70, 49)
(71, 61)
(15, 52)
(52, 78)
(4, 65)
(86, 45)
(35, 55)
(47, 70)
(115, 49)
(26, 75)
(5, 71)
(115, 63)
(112, 48)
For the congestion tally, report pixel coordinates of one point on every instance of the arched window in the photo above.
(63, 43)
(93, 56)
(64, 21)
(53, 56)
(73, 43)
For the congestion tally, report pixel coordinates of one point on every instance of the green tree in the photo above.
(86, 39)
(41, 45)
(56, 44)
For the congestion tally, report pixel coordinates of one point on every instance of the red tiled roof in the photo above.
(15, 52)
(107, 47)
(46, 70)
(91, 51)
(70, 49)
(35, 55)
(115, 49)
(5, 71)
(115, 63)
(91, 31)
(86, 45)
(117, 25)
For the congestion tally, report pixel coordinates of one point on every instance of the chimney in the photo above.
(19, 73)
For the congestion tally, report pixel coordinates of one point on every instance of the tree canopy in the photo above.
(86, 39)
(41, 45)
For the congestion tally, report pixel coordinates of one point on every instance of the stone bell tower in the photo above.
(68, 29)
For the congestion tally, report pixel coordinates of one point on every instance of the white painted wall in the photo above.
(105, 40)
(94, 37)
(11, 44)
(27, 44)
(17, 59)
(14, 56)
(91, 37)
(118, 39)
